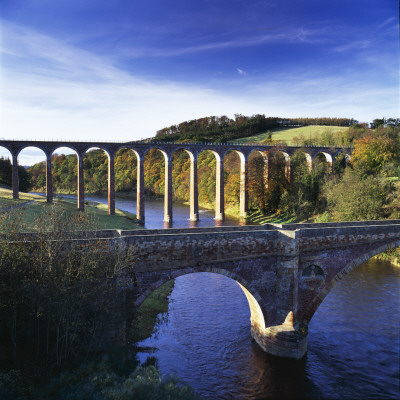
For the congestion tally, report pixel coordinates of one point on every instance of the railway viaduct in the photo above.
(167, 149)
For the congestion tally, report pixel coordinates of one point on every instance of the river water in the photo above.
(353, 351)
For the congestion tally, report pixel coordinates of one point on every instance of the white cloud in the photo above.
(241, 72)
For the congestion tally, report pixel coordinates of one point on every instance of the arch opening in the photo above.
(322, 164)
(340, 163)
(232, 180)
(5, 167)
(181, 159)
(64, 170)
(31, 162)
(258, 180)
(158, 178)
(277, 179)
(164, 288)
(211, 184)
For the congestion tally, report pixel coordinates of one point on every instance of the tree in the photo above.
(356, 196)
(370, 152)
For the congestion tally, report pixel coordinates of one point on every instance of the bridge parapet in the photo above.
(285, 273)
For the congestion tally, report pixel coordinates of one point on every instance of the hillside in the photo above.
(299, 135)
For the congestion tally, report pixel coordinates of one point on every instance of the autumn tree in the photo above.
(371, 152)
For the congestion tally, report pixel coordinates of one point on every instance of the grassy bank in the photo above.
(145, 321)
(287, 134)
(6, 198)
(29, 215)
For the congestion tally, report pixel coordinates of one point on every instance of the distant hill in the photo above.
(298, 136)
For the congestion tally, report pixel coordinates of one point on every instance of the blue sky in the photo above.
(120, 70)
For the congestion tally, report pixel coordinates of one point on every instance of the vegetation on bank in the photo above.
(146, 317)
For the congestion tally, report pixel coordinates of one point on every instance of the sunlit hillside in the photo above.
(311, 133)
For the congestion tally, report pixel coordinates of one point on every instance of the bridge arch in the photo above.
(168, 210)
(287, 161)
(189, 183)
(327, 157)
(253, 298)
(238, 179)
(6, 158)
(216, 197)
(20, 178)
(136, 164)
(346, 269)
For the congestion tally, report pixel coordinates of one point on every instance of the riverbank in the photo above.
(145, 322)
(27, 216)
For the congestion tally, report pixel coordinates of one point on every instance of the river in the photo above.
(353, 350)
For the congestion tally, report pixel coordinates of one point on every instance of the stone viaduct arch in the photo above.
(167, 149)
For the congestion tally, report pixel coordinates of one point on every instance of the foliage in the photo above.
(302, 197)
(357, 196)
(56, 295)
(101, 382)
(6, 175)
(372, 152)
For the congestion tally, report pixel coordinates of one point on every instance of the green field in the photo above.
(28, 216)
(6, 199)
(287, 134)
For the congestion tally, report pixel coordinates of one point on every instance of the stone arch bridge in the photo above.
(285, 271)
(167, 149)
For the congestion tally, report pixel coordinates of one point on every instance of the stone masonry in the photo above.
(285, 271)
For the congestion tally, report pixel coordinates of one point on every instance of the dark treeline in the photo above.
(223, 129)
(6, 175)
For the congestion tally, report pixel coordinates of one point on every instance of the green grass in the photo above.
(29, 215)
(259, 218)
(6, 198)
(156, 303)
(287, 134)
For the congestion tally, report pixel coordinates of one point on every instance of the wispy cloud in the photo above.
(355, 45)
(387, 22)
(241, 72)
(297, 35)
